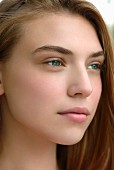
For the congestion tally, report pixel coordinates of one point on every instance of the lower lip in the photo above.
(75, 117)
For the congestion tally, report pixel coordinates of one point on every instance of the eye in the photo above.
(55, 63)
(95, 66)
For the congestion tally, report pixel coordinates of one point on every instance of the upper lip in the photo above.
(76, 110)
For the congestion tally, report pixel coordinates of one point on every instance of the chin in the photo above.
(71, 140)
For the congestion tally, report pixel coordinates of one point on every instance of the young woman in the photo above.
(56, 86)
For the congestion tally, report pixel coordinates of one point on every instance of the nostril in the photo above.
(82, 90)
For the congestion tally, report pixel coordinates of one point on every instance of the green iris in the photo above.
(55, 63)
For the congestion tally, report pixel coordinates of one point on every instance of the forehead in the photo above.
(61, 29)
(57, 20)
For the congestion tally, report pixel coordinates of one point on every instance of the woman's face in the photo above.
(51, 82)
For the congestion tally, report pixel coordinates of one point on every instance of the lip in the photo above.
(76, 114)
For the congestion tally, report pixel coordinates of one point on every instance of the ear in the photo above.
(1, 81)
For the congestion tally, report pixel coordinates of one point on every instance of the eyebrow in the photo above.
(97, 54)
(52, 48)
(64, 51)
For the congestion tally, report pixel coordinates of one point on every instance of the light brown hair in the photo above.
(96, 150)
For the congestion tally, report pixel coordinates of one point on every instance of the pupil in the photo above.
(56, 63)
(95, 66)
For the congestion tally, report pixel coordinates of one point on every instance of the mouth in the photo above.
(77, 114)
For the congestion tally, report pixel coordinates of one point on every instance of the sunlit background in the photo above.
(106, 8)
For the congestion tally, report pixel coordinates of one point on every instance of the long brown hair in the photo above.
(96, 150)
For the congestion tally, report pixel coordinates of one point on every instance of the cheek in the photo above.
(42, 88)
(31, 90)
(32, 96)
(96, 94)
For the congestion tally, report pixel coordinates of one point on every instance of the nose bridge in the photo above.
(80, 82)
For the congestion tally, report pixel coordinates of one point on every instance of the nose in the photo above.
(79, 84)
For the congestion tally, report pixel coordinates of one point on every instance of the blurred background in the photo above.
(106, 8)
